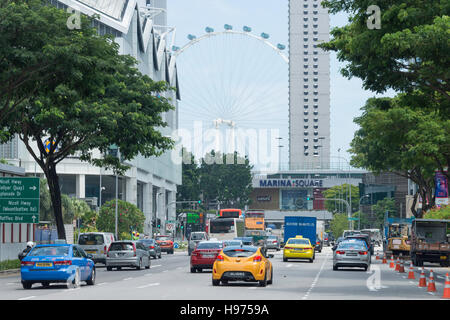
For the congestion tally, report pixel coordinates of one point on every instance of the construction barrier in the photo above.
(446, 294)
(411, 274)
(422, 280)
(431, 285)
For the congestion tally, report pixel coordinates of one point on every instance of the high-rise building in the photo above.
(309, 86)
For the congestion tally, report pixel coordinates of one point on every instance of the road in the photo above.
(169, 279)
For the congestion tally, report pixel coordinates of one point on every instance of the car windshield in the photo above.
(91, 239)
(352, 246)
(163, 238)
(272, 237)
(147, 242)
(298, 241)
(239, 252)
(198, 236)
(118, 246)
(50, 251)
(209, 245)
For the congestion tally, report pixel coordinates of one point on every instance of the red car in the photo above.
(166, 243)
(205, 254)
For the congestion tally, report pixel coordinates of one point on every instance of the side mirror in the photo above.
(89, 256)
(271, 256)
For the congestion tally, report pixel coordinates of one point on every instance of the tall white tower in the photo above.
(309, 86)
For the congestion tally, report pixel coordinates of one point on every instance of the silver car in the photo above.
(195, 238)
(273, 242)
(351, 253)
(127, 254)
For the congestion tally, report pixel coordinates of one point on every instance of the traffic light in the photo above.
(308, 198)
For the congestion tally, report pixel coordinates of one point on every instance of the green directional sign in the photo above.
(19, 200)
(353, 219)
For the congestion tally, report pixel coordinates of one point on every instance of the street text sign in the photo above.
(19, 200)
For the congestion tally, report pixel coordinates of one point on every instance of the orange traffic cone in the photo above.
(384, 259)
(446, 287)
(401, 269)
(391, 265)
(422, 280)
(411, 272)
(397, 265)
(377, 256)
(431, 284)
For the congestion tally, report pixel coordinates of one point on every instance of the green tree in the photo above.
(392, 137)
(408, 52)
(338, 224)
(442, 213)
(226, 178)
(383, 206)
(89, 96)
(129, 218)
(190, 187)
(341, 192)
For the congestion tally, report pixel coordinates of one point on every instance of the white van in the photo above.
(96, 244)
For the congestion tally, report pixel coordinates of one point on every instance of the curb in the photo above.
(9, 271)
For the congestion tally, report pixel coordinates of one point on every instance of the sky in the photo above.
(271, 16)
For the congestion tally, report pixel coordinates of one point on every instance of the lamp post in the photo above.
(359, 210)
(279, 152)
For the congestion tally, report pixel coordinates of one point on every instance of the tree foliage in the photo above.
(341, 192)
(129, 217)
(409, 52)
(76, 92)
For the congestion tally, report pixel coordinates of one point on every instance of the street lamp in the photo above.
(279, 152)
(359, 210)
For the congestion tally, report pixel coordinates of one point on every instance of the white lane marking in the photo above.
(149, 285)
(155, 266)
(165, 271)
(289, 265)
(27, 298)
(313, 284)
(102, 284)
(127, 279)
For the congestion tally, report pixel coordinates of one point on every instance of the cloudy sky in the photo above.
(271, 16)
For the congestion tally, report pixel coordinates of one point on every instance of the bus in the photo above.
(254, 220)
(226, 228)
(230, 213)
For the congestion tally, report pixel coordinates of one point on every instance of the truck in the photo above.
(397, 236)
(300, 226)
(430, 242)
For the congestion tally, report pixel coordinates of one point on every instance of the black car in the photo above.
(366, 239)
(319, 245)
(153, 247)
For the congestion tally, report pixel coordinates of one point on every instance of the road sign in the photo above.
(19, 200)
(353, 219)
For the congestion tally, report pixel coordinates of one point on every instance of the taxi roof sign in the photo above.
(299, 237)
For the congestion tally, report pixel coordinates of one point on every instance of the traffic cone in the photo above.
(391, 265)
(446, 287)
(401, 269)
(397, 265)
(411, 274)
(422, 280)
(431, 284)
(377, 256)
(384, 259)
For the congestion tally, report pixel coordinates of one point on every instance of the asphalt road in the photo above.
(169, 278)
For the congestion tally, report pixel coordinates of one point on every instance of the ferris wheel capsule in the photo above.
(191, 37)
(228, 27)
(209, 29)
(281, 46)
(175, 48)
(265, 35)
(247, 29)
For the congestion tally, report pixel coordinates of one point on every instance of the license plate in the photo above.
(44, 264)
(208, 255)
(298, 249)
(236, 274)
(396, 247)
(91, 252)
(443, 257)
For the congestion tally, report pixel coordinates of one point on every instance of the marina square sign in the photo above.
(288, 183)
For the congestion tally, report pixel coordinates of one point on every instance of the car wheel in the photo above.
(311, 260)
(335, 268)
(193, 270)
(271, 277)
(119, 268)
(215, 282)
(45, 284)
(285, 259)
(108, 268)
(365, 268)
(263, 283)
(149, 263)
(139, 267)
(26, 284)
(160, 256)
(75, 283)
(91, 280)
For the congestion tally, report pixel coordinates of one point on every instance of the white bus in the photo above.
(226, 228)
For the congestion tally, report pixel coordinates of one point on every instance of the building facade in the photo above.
(309, 85)
(139, 27)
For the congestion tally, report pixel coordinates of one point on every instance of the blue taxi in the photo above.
(57, 263)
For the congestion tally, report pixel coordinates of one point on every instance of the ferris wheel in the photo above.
(234, 89)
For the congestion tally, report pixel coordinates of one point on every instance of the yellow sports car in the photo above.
(242, 263)
(298, 248)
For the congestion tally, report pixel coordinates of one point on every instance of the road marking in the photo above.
(26, 298)
(149, 285)
(158, 265)
(102, 284)
(289, 265)
(127, 279)
(165, 271)
(313, 284)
